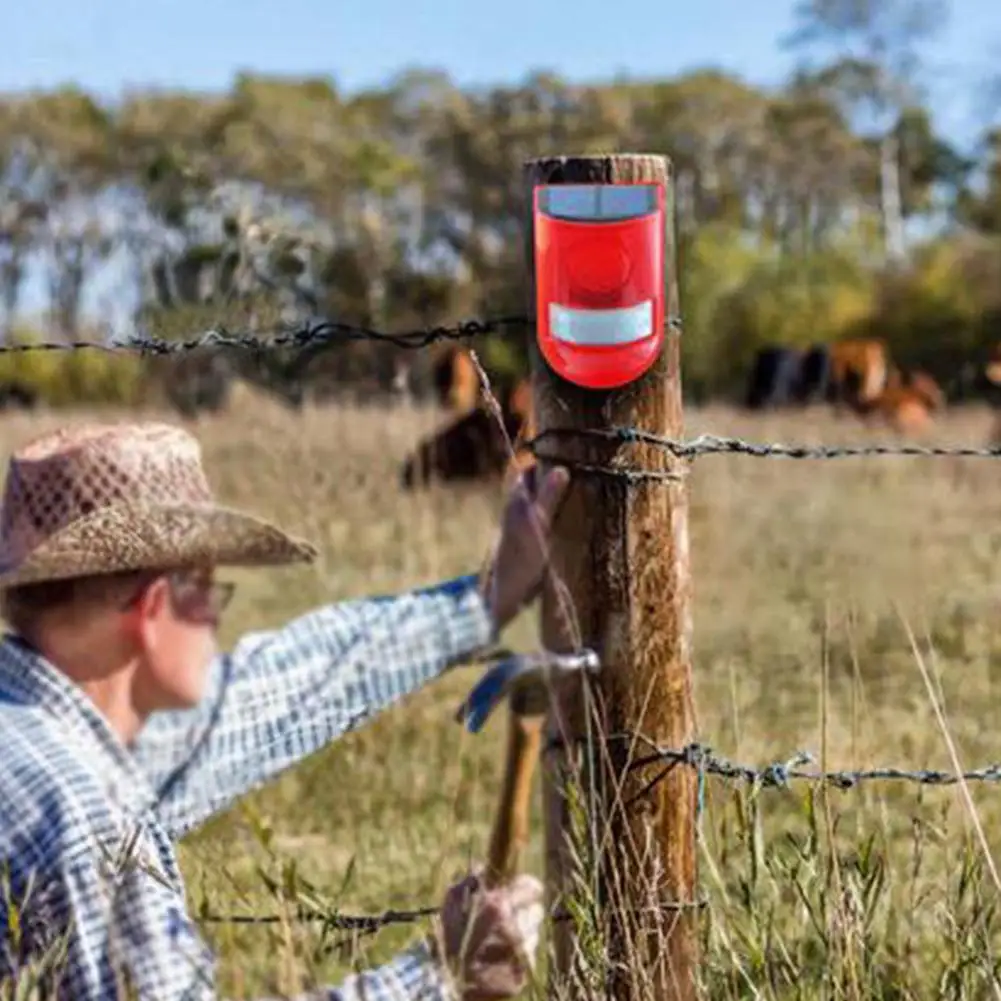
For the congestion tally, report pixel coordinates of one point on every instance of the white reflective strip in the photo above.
(601, 327)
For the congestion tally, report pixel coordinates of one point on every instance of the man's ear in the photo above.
(150, 605)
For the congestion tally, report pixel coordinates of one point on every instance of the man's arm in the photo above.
(283, 694)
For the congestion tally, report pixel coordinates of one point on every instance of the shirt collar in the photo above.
(28, 679)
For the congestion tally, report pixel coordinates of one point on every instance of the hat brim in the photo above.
(125, 537)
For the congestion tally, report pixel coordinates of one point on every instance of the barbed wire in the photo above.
(777, 774)
(368, 924)
(701, 757)
(780, 774)
(698, 756)
(315, 335)
(365, 923)
(710, 444)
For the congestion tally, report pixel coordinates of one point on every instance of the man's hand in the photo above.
(522, 553)
(490, 937)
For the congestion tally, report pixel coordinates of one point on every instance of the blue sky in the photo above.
(107, 46)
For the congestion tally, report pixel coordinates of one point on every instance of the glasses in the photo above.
(193, 596)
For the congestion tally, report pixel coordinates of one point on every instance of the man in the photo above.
(122, 727)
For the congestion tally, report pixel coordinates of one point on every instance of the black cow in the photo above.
(815, 375)
(784, 377)
(774, 378)
(18, 396)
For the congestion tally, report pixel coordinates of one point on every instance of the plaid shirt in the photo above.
(72, 796)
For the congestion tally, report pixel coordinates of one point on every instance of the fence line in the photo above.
(328, 334)
(778, 774)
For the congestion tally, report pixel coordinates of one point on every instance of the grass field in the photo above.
(807, 577)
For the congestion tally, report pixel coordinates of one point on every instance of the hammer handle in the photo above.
(511, 823)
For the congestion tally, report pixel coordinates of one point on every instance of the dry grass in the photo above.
(805, 573)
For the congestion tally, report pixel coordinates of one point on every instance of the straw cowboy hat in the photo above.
(97, 499)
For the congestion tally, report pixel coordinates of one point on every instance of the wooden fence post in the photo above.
(621, 551)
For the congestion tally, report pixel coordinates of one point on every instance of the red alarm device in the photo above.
(599, 279)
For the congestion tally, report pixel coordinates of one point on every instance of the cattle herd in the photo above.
(856, 375)
(853, 376)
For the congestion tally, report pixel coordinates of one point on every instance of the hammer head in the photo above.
(523, 677)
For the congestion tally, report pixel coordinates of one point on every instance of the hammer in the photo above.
(524, 679)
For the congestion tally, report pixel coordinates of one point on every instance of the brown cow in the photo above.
(456, 381)
(993, 367)
(520, 406)
(468, 448)
(907, 402)
(906, 411)
(859, 371)
(992, 372)
(475, 445)
(928, 389)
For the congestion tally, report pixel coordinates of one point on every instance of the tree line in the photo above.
(825, 208)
